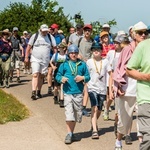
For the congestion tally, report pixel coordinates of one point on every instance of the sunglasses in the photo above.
(142, 32)
(5, 34)
(96, 49)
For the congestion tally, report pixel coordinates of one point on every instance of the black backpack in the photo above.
(36, 36)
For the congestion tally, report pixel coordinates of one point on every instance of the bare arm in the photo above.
(135, 74)
(27, 52)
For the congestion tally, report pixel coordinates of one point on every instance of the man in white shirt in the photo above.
(40, 57)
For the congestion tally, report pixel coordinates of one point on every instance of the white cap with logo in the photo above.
(44, 27)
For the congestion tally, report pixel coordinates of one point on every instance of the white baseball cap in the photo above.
(139, 26)
(25, 32)
(106, 26)
(44, 27)
(121, 32)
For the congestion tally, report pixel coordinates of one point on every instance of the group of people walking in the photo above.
(78, 68)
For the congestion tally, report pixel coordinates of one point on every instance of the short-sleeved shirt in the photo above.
(74, 37)
(106, 48)
(140, 61)
(85, 48)
(58, 37)
(98, 81)
(41, 48)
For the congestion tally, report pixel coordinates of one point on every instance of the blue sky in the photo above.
(126, 12)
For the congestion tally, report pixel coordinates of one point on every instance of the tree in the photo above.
(97, 26)
(30, 18)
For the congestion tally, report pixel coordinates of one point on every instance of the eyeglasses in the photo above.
(142, 32)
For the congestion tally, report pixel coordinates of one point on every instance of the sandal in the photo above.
(95, 135)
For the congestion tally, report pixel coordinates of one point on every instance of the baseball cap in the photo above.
(121, 32)
(106, 26)
(121, 39)
(54, 26)
(25, 32)
(139, 26)
(79, 26)
(62, 45)
(44, 27)
(15, 29)
(89, 26)
(103, 33)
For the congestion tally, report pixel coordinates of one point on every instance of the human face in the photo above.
(104, 39)
(117, 45)
(44, 33)
(141, 35)
(72, 30)
(73, 56)
(96, 52)
(79, 30)
(5, 35)
(87, 32)
(106, 29)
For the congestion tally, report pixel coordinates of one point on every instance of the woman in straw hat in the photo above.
(5, 52)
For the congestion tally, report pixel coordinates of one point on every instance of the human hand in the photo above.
(64, 79)
(79, 78)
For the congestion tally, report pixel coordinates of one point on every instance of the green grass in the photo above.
(11, 109)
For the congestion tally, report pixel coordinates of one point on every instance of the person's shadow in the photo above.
(87, 134)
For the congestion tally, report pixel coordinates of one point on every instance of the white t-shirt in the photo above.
(97, 82)
(41, 48)
(60, 58)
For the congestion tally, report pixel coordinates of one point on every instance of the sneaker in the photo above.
(33, 96)
(85, 113)
(61, 103)
(6, 84)
(18, 80)
(50, 91)
(56, 100)
(118, 148)
(106, 116)
(2, 84)
(39, 94)
(128, 139)
(68, 139)
(11, 79)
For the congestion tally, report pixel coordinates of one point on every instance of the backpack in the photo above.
(36, 36)
(56, 57)
(81, 39)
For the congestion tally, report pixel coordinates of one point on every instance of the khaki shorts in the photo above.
(15, 59)
(73, 107)
(126, 106)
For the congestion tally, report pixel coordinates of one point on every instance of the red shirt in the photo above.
(106, 48)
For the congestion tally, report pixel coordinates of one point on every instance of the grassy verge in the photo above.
(11, 109)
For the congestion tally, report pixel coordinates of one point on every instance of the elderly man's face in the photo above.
(44, 33)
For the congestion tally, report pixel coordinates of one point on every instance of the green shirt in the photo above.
(140, 60)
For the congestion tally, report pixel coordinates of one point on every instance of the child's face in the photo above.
(73, 56)
(96, 52)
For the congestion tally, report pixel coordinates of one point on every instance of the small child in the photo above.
(56, 60)
(73, 73)
(97, 86)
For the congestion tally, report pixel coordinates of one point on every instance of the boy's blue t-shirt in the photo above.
(71, 86)
(58, 37)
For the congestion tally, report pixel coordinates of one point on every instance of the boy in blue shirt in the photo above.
(73, 73)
